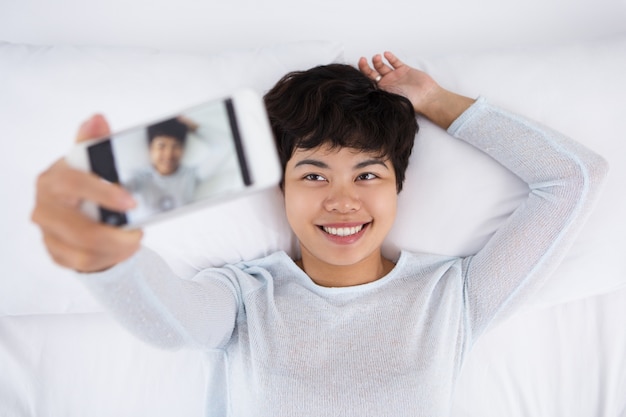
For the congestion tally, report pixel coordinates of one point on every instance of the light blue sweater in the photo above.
(393, 347)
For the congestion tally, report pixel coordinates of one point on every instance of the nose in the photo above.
(171, 156)
(168, 152)
(342, 199)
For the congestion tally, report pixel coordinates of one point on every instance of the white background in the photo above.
(401, 25)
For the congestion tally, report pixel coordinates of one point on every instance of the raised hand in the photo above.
(428, 98)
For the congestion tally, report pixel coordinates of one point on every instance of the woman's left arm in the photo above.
(564, 179)
(563, 176)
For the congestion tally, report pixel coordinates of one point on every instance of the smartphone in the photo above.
(202, 155)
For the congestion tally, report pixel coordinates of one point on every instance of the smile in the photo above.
(343, 231)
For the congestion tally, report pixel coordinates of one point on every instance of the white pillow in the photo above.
(456, 197)
(46, 92)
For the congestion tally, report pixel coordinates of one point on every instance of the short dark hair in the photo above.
(339, 106)
(171, 128)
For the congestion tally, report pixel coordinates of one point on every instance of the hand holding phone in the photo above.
(202, 155)
(73, 240)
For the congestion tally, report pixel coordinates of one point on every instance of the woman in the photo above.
(342, 330)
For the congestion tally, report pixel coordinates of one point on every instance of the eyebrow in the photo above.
(313, 162)
(368, 162)
(360, 165)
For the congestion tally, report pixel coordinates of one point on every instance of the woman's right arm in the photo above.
(157, 306)
(135, 284)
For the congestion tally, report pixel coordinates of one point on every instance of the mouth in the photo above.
(344, 231)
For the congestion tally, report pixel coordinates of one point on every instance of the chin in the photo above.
(345, 257)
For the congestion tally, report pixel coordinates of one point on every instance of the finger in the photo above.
(77, 242)
(380, 66)
(91, 187)
(365, 68)
(94, 127)
(79, 231)
(62, 183)
(393, 60)
(84, 259)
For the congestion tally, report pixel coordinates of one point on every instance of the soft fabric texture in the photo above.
(284, 337)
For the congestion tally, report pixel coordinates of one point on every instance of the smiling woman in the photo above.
(343, 330)
(341, 204)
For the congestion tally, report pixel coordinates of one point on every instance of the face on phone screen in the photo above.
(190, 157)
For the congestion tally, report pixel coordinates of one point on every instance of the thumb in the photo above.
(94, 127)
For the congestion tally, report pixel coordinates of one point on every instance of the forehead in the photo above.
(165, 139)
(328, 152)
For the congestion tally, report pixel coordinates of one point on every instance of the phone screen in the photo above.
(191, 157)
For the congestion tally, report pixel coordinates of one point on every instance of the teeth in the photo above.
(342, 231)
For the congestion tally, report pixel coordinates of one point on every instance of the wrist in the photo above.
(444, 107)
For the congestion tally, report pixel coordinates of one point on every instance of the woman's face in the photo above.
(340, 203)
(165, 154)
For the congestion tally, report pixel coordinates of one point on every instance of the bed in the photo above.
(61, 354)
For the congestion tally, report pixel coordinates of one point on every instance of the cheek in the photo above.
(154, 154)
(302, 208)
(291, 205)
(297, 205)
(384, 206)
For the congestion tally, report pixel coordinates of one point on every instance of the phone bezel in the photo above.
(254, 143)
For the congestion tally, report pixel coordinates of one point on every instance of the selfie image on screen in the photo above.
(178, 161)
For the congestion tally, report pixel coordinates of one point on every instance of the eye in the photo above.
(366, 176)
(314, 177)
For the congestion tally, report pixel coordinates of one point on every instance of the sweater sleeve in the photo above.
(564, 179)
(147, 298)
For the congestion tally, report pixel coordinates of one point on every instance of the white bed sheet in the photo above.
(77, 365)
(566, 360)
(86, 365)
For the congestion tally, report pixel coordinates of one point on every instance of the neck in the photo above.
(328, 275)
